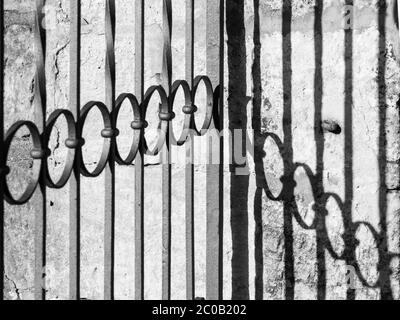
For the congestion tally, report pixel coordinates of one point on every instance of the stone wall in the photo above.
(282, 80)
(321, 98)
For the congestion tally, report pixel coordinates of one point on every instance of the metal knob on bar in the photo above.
(189, 109)
(38, 154)
(166, 116)
(74, 143)
(139, 124)
(109, 133)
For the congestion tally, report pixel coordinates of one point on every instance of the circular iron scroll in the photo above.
(37, 148)
(188, 110)
(209, 103)
(106, 142)
(139, 124)
(137, 133)
(162, 127)
(69, 163)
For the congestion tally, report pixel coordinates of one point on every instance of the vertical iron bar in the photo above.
(139, 161)
(40, 120)
(2, 156)
(75, 186)
(214, 172)
(348, 149)
(220, 112)
(166, 166)
(189, 169)
(109, 206)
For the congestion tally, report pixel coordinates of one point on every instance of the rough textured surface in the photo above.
(298, 75)
(265, 93)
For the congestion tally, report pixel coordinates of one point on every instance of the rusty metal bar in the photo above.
(75, 185)
(166, 166)
(109, 206)
(2, 153)
(139, 161)
(214, 172)
(40, 121)
(189, 169)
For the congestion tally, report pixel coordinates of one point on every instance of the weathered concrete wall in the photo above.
(270, 87)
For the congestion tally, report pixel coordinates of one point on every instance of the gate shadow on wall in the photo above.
(238, 101)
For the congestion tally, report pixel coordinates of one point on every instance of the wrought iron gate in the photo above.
(75, 117)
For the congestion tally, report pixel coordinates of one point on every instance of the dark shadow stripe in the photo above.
(238, 100)
(258, 157)
(288, 181)
(349, 254)
(384, 258)
(320, 146)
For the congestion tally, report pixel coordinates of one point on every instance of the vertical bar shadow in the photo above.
(384, 257)
(259, 141)
(320, 148)
(289, 204)
(237, 101)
